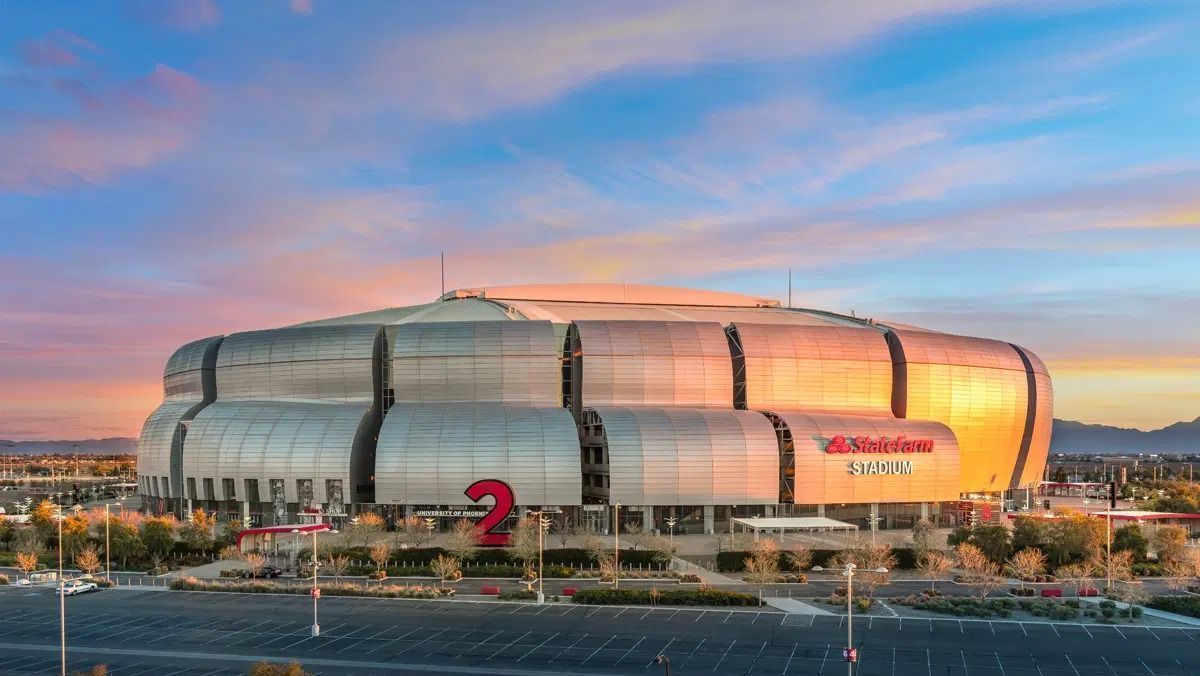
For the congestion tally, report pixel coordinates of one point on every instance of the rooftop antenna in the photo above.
(443, 257)
(789, 287)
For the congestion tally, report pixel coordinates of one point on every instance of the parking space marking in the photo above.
(1152, 634)
(691, 654)
(509, 645)
(1118, 630)
(788, 665)
(1055, 630)
(963, 656)
(702, 614)
(597, 650)
(1146, 667)
(723, 656)
(1069, 661)
(483, 642)
(560, 653)
(1110, 668)
(393, 640)
(1022, 625)
(1086, 629)
(727, 617)
(631, 648)
(531, 650)
(660, 651)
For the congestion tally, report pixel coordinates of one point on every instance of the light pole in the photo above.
(671, 521)
(616, 545)
(851, 655)
(316, 591)
(430, 524)
(107, 540)
(543, 525)
(62, 592)
(873, 519)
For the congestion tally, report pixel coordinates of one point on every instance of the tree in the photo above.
(993, 541)
(563, 529)
(412, 531)
(958, 536)
(1078, 575)
(762, 566)
(255, 562)
(1026, 564)
(197, 533)
(158, 535)
(878, 562)
(444, 568)
(661, 548)
(1170, 542)
(1028, 532)
(979, 571)
(637, 536)
(365, 526)
(933, 565)
(524, 540)
(1118, 566)
(1073, 537)
(591, 542)
(271, 669)
(1059, 475)
(74, 534)
(123, 540)
(42, 519)
(608, 567)
(337, 564)
(1130, 538)
(465, 536)
(799, 557)
(8, 532)
(27, 562)
(923, 532)
(379, 554)
(233, 528)
(88, 559)
(1177, 571)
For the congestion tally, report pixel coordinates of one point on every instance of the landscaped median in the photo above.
(663, 597)
(335, 589)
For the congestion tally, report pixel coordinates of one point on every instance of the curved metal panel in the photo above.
(188, 385)
(265, 440)
(815, 368)
(647, 363)
(428, 454)
(318, 363)
(825, 475)
(681, 456)
(492, 361)
(977, 387)
(1033, 462)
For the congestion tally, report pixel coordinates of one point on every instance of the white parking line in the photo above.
(560, 653)
(631, 648)
(702, 614)
(424, 641)
(1055, 630)
(1146, 667)
(1121, 633)
(723, 656)
(1084, 626)
(361, 640)
(398, 638)
(1108, 665)
(727, 618)
(535, 647)
(787, 665)
(1152, 634)
(610, 640)
(1068, 662)
(691, 654)
(660, 651)
(963, 656)
(1022, 625)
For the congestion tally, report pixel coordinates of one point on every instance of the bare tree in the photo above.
(933, 565)
(465, 536)
(591, 542)
(414, 532)
(979, 572)
(563, 530)
(379, 554)
(27, 562)
(524, 540)
(337, 564)
(255, 562)
(444, 568)
(762, 566)
(608, 567)
(637, 536)
(1077, 575)
(88, 559)
(922, 536)
(1117, 566)
(1026, 564)
(799, 557)
(876, 558)
(273, 669)
(366, 525)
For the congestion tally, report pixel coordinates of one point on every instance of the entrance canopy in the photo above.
(808, 524)
(257, 537)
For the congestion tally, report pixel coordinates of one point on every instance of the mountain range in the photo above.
(1069, 437)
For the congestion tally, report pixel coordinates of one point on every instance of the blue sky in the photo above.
(176, 169)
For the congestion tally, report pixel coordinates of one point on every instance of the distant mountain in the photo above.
(108, 446)
(1076, 437)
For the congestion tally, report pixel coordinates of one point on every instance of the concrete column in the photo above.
(408, 511)
(769, 511)
(245, 514)
(709, 519)
(924, 510)
(820, 510)
(647, 518)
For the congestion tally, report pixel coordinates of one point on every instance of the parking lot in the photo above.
(198, 633)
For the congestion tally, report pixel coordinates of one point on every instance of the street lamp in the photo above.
(671, 521)
(430, 524)
(543, 525)
(316, 591)
(107, 541)
(616, 545)
(851, 655)
(62, 592)
(873, 519)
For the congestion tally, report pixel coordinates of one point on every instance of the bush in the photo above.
(3, 579)
(1180, 605)
(1108, 612)
(1137, 612)
(336, 589)
(523, 595)
(735, 561)
(1148, 569)
(1017, 591)
(668, 597)
(691, 578)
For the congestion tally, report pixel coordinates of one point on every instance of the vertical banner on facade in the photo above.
(337, 504)
(305, 487)
(278, 502)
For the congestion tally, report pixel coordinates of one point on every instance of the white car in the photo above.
(73, 587)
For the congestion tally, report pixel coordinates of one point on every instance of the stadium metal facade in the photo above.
(697, 404)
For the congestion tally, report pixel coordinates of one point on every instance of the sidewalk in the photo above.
(706, 576)
(794, 607)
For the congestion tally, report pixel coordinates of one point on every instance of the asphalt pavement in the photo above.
(177, 633)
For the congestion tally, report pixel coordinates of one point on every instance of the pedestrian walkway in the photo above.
(794, 607)
(706, 576)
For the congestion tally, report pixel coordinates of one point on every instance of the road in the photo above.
(155, 632)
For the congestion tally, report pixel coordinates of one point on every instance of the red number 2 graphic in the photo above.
(504, 504)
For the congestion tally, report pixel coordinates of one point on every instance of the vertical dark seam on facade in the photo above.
(899, 375)
(1030, 417)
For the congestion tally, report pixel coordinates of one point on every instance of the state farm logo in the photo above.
(838, 445)
(868, 444)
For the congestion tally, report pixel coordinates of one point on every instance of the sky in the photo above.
(176, 169)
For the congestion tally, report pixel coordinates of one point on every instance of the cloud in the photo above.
(125, 126)
(175, 14)
(304, 7)
(57, 49)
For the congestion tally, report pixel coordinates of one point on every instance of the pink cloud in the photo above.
(57, 49)
(304, 7)
(176, 14)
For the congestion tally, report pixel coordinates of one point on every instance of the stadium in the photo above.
(651, 402)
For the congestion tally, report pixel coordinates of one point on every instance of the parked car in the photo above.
(266, 572)
(73, 587)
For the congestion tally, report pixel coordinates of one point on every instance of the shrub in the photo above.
(1180, 605)
(3, 579)
(523, 595)
(1147, 569)
(735, 561)
(690, 578)
(1108, 612)
(336, 589)
(669, 597)
(1137, 612)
